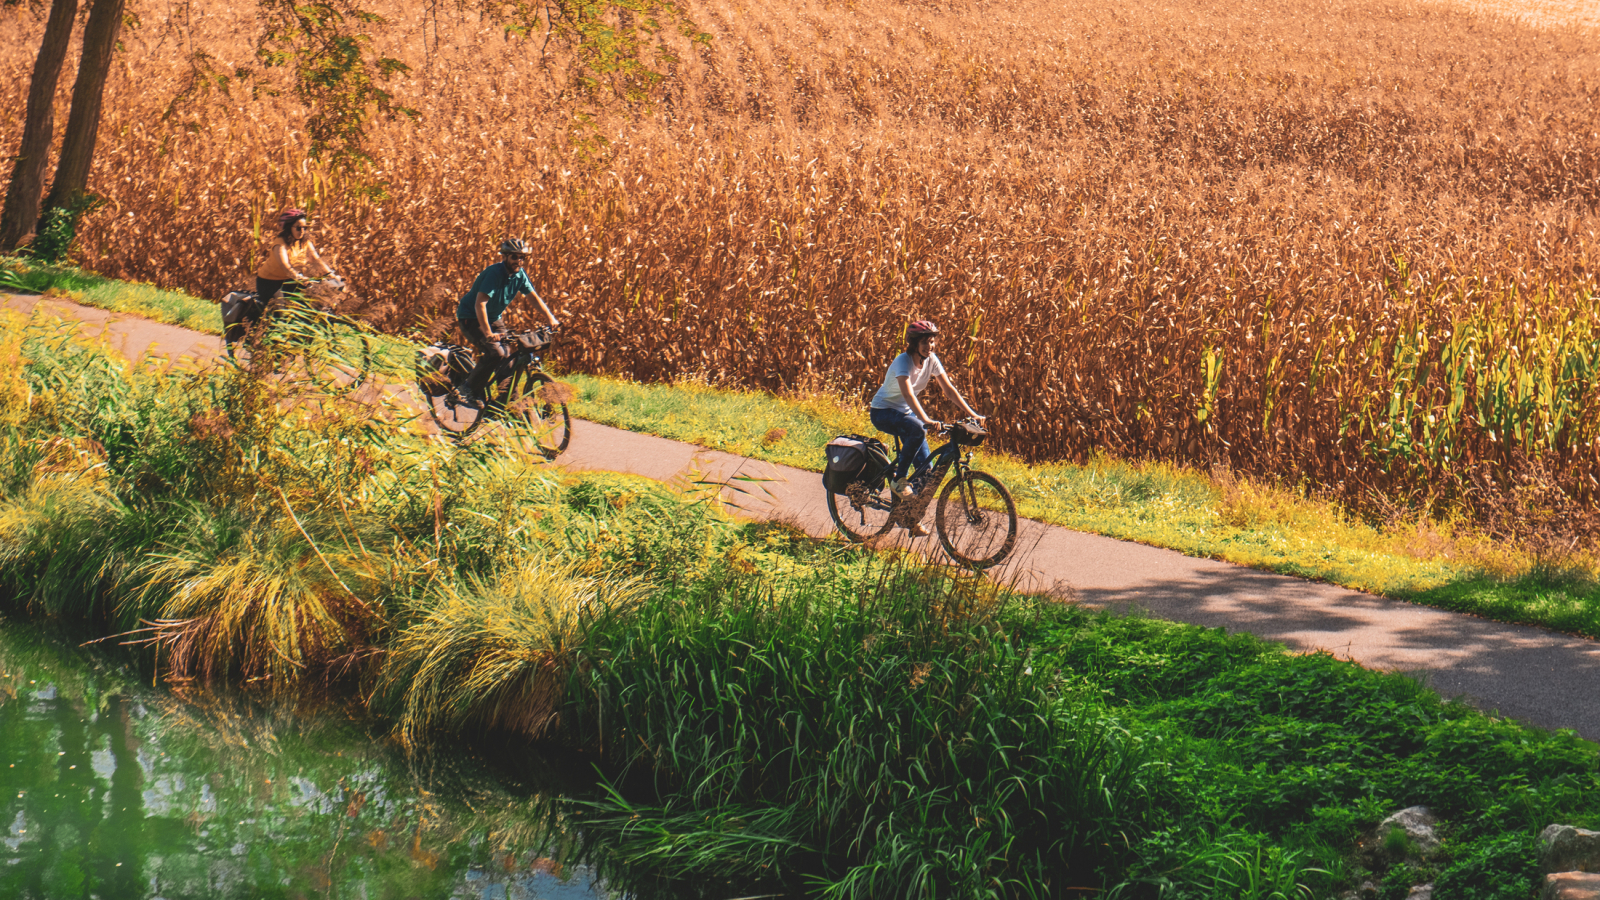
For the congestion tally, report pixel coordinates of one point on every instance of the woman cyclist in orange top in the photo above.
(291, 260)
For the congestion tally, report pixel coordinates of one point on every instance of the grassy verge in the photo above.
(1213, 515)
(769, 713)
(81, 286)
(1270, 527)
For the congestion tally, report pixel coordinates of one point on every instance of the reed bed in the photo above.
(1350, 247)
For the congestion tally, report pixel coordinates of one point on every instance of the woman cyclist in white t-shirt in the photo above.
(897, 411)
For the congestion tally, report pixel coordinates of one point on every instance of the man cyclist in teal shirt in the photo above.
(481, 307)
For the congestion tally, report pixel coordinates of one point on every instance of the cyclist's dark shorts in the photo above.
(265, 288)
(475, 336)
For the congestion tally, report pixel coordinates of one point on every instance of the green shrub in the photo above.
(1504, 867)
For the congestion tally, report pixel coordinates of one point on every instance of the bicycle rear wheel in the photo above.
(536, 422)
(861, 513)
(977, 520)
(455, 419)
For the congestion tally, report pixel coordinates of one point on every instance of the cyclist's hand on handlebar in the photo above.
(933, 425)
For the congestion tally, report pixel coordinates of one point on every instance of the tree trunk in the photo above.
(83, 123)
(27, 175)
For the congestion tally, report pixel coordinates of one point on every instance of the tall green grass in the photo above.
(883, 745)
(496, 654)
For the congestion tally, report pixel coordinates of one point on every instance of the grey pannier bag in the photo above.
(853, 458)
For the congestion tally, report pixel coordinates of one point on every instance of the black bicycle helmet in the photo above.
(514, 247)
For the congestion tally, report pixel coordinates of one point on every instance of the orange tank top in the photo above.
(273, 270)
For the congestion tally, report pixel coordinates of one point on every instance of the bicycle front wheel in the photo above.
(534, 414)
(861, 513)
(977, 520)
(319, 351)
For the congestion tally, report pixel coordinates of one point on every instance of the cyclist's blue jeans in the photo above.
(914, 452)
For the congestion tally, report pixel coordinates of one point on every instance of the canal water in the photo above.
(115, 789)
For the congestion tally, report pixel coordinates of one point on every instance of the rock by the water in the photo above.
(1568, 849)
(1571, 886)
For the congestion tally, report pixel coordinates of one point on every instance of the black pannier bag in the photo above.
(235, 305)
(968, 434)
(852, 458)
(441, 366)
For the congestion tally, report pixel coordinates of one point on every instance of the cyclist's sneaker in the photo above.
(902, 488)
(918, 529)
(464, 396)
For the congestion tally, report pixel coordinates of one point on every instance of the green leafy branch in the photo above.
(618, 44)
(325, 46)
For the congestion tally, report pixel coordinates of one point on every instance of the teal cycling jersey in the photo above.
(501, 284)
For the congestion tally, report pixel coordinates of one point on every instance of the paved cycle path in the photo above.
(1537, 676)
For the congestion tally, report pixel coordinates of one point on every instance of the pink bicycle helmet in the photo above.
(918, 330)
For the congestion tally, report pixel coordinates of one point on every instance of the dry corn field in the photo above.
(1349, 244)
(1554, 14)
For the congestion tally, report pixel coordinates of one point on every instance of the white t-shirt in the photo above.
(889, 397)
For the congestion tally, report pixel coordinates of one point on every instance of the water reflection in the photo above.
(113, 789)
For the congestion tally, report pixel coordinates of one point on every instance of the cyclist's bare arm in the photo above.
(949, 388)
(544, 308)
(482, 309)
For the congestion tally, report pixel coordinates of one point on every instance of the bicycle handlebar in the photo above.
(944, 427)
(332, 280)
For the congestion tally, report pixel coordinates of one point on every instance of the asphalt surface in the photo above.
(1537, 676)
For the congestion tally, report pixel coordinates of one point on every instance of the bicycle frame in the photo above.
(523, 360)
(910, 512)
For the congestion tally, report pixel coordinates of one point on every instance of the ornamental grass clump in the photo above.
(264, 599)
(234, 520)
(496, 653)
(59, 526)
